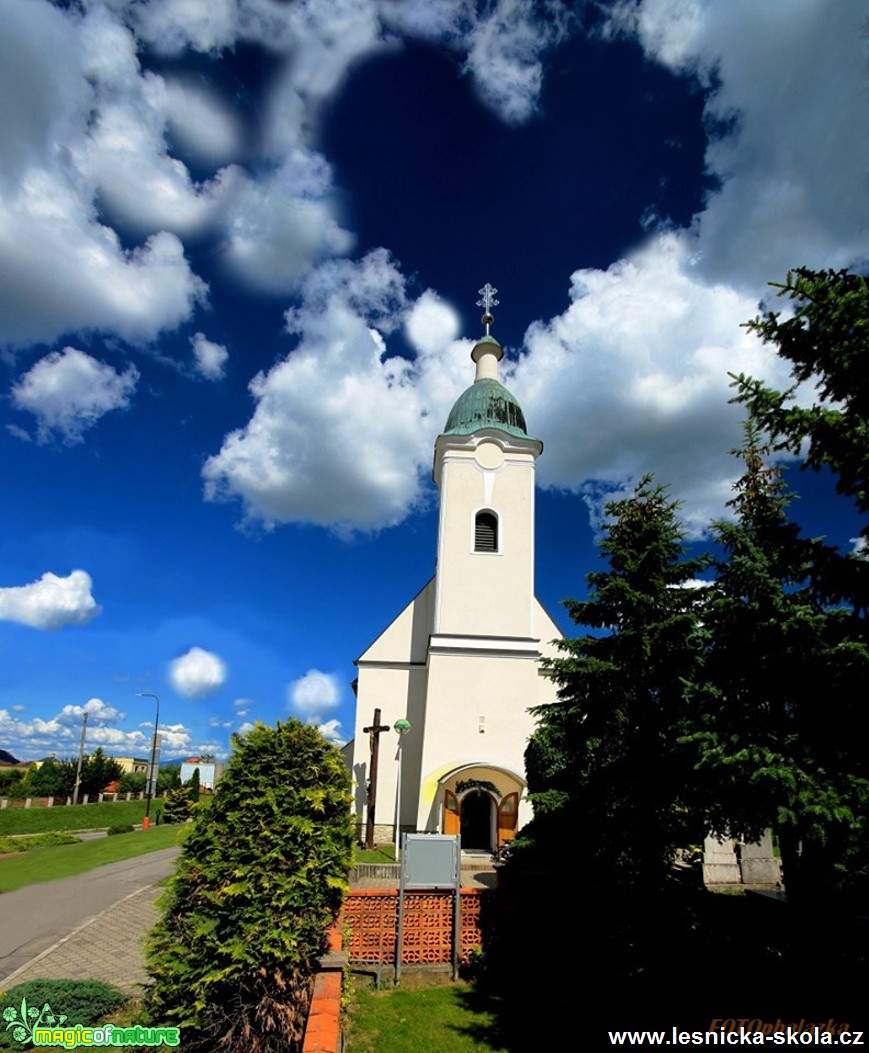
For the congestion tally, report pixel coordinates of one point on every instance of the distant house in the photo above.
(210, 771)
(133, 765)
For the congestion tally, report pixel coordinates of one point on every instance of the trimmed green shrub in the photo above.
(83, 1002)
(24, 844)
(119, 828)
(260, 878)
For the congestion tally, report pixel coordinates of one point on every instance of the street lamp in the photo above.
(151, 784)
(402, 727)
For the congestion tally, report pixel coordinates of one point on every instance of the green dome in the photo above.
(486, 404)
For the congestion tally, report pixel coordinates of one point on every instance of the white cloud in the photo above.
(44, 99)
(126, 159)
(793, 90)
(278, 226)
(505, 52)
(331, 732)
(201, 121)
(324, 39)
(60, 271)
(62, 268)
(97, 711)
(50, 603)
(633, 378)
(38, 737)
(210, 358)
(197, 674)
(68, 392)
(431, 325)
(314, 694)
(89, 137)
(243, 729)
(334, 394)
(175, 740)
(204, 25)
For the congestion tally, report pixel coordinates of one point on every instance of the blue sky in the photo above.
(240, 248)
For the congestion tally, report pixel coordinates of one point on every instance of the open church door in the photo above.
(508, 814)
(452, 820)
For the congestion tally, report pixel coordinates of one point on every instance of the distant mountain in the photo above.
(7, 758)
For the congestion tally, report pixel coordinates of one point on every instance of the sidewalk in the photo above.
(108, 947)
(90, 926)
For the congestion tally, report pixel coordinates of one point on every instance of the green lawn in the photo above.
(418, 1021)
(46, 864)
(378, 854)
(74, 817)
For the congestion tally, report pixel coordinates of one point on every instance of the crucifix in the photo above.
(374, 731)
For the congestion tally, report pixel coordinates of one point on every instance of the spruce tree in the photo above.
(823, 419)
(775, 713)
(261, 876)
(606, 760)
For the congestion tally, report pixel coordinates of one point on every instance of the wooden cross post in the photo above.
(374, 733)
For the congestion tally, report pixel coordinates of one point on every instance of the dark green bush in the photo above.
(83, 1002)
(119, 828)
(260, 878)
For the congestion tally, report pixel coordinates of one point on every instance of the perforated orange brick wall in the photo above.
(370, 920)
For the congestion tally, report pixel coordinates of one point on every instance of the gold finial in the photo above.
(487, 303)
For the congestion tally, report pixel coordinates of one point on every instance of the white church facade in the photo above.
(461, 662)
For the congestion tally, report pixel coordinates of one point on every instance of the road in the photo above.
(38, 917)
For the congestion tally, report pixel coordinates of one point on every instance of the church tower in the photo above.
(462, 662)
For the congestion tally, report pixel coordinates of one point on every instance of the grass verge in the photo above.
(47, 864)
(74, 817)
(378, 854)
(418, 1021)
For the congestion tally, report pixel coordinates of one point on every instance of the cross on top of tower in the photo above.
(487, 302)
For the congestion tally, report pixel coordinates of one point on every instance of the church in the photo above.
(461, 662)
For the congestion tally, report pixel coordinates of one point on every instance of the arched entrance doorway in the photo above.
(481, 804)
(476, 821)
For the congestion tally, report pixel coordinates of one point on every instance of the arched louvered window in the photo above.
(486, 532)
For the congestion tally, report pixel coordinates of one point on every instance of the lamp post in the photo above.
(402, 727)
(151, 783)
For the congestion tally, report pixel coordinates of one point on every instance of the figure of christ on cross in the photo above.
(374, 732)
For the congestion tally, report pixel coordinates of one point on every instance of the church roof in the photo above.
(486, 404)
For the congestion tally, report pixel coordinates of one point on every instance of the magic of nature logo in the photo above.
(45, 1027)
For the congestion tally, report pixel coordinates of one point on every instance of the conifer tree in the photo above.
(606, 759)
(826, 340)
(193, 785)
(177, 805)
(261, 876)
(775, 713)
